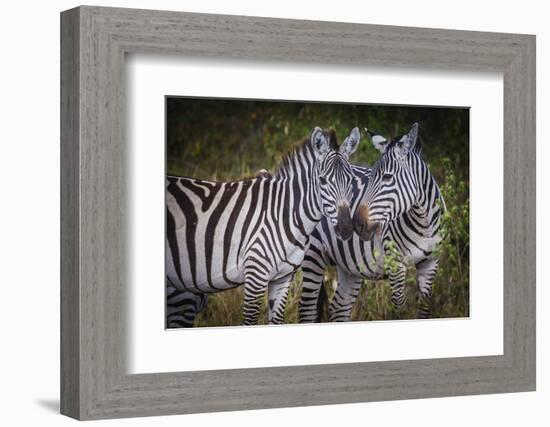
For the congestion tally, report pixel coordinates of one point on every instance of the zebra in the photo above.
(254, 232)
(400, 203)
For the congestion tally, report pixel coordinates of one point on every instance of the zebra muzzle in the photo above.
(364, 228)
(344, 225)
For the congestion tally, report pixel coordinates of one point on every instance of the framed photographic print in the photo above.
(324, 212)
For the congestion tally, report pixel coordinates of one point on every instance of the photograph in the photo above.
(288, 212)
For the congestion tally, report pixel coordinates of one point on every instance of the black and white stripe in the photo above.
(254, 231)
(398, 202)
(182, 306)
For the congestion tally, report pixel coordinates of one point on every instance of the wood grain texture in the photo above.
(70, 291)
(94, 382)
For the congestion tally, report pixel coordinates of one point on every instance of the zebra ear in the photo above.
(408, 141)
(379, 142)
(319, 141)
(351, 143)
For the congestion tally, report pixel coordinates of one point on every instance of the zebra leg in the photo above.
(397, 284)
(182, 307)
(344, 297)
(255, 286)
(277, 296)
(425, 274)
(313, 273)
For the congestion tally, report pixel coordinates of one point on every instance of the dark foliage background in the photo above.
(220, 139)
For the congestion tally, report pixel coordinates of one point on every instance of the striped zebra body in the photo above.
(414, 234)
(182, 306)
(254, 232)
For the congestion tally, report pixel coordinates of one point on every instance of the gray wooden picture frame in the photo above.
(94, 382)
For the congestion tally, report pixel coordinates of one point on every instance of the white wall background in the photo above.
(29, 211)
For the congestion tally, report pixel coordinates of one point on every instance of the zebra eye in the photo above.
(322, 180)
(387, 177)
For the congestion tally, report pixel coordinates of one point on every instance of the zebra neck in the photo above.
(427, 210)
(297, 177)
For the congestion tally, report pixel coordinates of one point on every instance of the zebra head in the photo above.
(334, 177)
(393, 186)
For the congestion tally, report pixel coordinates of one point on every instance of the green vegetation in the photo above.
(224, 140)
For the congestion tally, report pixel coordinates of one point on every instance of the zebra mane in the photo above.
(304, 146)
(418, 145)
